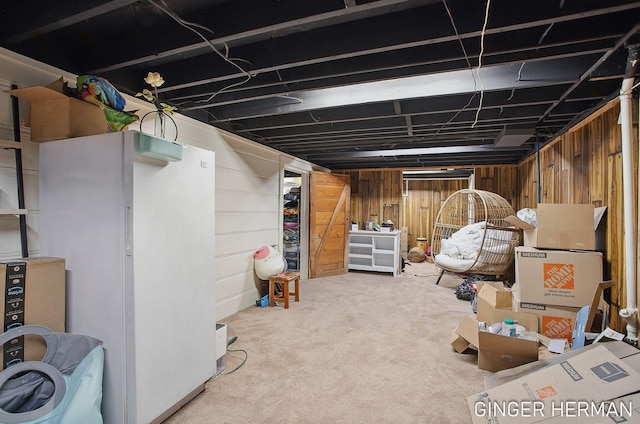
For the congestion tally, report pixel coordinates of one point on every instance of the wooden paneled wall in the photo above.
(502, 180)
(585, 166)
(576, 168)
(421, 206)
(376, 195)
(582, 166)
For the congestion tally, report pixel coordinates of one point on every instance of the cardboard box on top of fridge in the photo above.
(561, 226)
(558, 392)
(33, 292)
(557, 277)
(55, 116)
(495, 351)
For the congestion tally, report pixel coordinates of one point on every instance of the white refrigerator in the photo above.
(138, 236)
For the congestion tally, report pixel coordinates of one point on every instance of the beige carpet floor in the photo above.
(363, 347)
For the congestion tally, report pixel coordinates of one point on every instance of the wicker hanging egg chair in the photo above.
(470, 235)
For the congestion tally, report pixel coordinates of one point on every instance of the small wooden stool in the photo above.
(284, 279)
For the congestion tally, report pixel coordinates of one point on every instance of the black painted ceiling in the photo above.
(351, 83)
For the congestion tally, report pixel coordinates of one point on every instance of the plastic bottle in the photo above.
(508, 328)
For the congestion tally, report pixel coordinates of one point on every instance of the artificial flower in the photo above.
(155, 80)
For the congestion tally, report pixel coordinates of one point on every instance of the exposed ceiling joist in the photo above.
(347, 83)
(491, 78)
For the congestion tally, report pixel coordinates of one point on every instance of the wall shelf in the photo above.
(21, 212)
(16, 146)
(13, 211)
(7, 144)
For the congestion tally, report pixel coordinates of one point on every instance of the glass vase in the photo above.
(159, 124)
(163, 125)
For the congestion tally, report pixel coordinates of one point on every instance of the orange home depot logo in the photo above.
(558, 276)
(557, 327)
(546, 392)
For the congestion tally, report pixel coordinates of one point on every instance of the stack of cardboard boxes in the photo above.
(559, 268)
(557, 271)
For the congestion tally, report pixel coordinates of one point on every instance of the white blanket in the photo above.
(471, 245)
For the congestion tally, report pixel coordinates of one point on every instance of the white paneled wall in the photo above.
(248, 186)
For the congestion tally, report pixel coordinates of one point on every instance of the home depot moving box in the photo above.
(551, 394)
(557, 277)
(33, 293)
(561, 226)
(555, 322)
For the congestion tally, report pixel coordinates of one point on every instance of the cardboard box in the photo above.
(555, 322)
(551, 394)
(459, 343)
(492, 295)
(557, 277)
(561, 226)
(55, 116)
(546, 343)
(495, 351)
(33, 293)
(624, 351)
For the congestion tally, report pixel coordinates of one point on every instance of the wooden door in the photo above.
(329, 221)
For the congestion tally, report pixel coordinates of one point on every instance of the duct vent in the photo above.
(510, 137)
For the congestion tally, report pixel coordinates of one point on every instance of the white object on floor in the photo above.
(221, 340)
